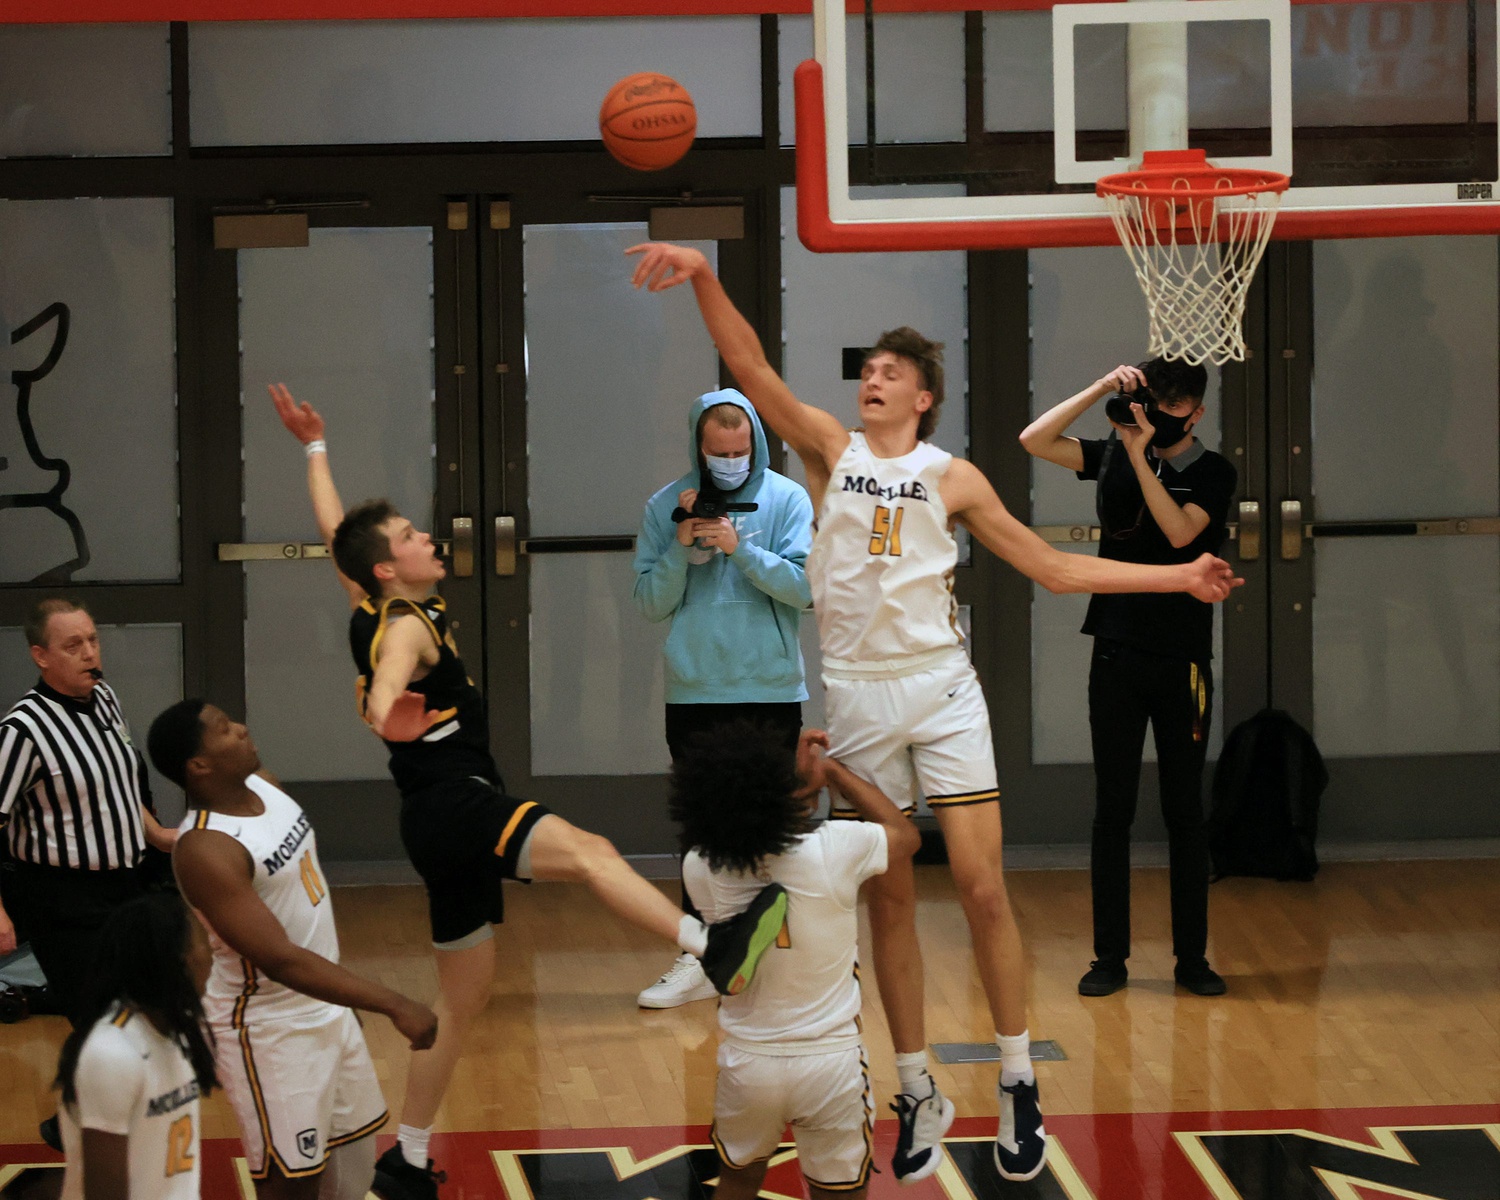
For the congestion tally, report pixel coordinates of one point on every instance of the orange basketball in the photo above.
(648, 121)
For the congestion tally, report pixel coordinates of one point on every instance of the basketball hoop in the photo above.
(1195, 234)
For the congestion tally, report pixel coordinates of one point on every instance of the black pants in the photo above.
(1128, 688)
(62, 912)
(685, 720)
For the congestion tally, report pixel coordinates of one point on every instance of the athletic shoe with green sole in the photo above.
(735, 945)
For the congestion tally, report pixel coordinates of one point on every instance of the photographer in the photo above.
(721, 553)
(1162, 497)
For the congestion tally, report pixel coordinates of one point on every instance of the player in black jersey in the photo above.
(463, 833)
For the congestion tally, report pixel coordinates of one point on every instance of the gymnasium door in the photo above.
(1365, 427)
(364, 309)
(592, 383)
(1367, 430)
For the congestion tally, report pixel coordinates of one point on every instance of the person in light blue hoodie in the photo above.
(734, 589)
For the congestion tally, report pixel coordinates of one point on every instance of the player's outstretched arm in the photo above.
(303, 423)
(394, 713)
(216, 877)
(811, 432)
(902, 838)
(1044, 438)
(973, 503)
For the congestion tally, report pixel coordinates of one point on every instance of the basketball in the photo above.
(648, 121)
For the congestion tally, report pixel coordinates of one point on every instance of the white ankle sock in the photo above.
(911, 1069)
(692, 935)
(413, 1143)
(1015, 1058)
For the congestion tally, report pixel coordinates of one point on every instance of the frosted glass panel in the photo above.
(299, 678)
(1352, 64)
(1087, 317)
(1406, 646)
(338, 83)
(347, 324)
(143, 664)
(611, 375)
(114, 387)
(598, 696)
(833, 301)
(84, 90)
(925, 105)
(1405, 338)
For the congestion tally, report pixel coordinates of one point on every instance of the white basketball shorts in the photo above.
(297, 1093)
(925, 733)
(825, 1098)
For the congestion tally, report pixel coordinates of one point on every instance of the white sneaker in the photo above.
(683, 983)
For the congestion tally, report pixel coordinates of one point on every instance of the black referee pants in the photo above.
(684, 721)
(1127, 689)
(61, 912)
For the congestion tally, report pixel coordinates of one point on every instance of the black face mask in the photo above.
(1169, 429)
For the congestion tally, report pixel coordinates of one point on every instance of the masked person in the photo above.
(1162, 497)
(733, 587)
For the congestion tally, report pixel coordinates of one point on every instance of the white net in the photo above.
(1194, 257)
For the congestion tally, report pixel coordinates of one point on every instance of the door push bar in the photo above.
(508, 547)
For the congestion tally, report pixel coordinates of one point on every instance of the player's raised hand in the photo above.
(302, 420)
(408, 718)
(416, 1023)
(664, 265)
(1211, 579)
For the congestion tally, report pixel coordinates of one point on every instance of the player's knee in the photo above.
(892, 907)
(588, 857)
(984, 897)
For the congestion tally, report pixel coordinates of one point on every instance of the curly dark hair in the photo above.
(733, 791)
(140, 964)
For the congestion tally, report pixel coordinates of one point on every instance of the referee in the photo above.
(76, 802)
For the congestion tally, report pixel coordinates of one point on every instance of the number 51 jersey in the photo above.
(289, 881)
(882, 560)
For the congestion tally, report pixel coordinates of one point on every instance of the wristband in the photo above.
(317, 446)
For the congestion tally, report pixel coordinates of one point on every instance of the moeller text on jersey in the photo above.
(910, 490)
(288, 845)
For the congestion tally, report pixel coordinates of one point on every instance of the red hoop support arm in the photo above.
(820, 233)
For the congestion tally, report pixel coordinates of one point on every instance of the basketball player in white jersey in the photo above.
(791, 1052)
(137, 1061)
(290, 1051)
(904, 706)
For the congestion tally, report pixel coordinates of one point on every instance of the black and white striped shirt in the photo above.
(71, 782)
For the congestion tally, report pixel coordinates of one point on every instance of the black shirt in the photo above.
(1171, 624)
(458, 744)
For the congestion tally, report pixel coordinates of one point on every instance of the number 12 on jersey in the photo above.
(885, 533)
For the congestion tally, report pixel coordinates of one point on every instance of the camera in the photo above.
(1117, 407)
(710, 506)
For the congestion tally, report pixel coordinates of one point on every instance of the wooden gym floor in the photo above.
(1366, 1001)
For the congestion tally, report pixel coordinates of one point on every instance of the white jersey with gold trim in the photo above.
(289, 880)
(882, 561)
(134, 1082)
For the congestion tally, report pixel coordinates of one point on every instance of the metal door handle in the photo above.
(1248, 531)
(289, 551)
(463, 547)
(505, 546)
(1291, 530)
